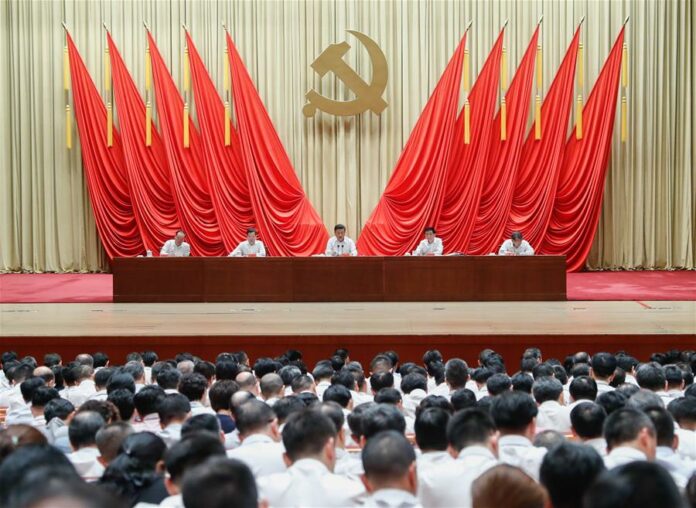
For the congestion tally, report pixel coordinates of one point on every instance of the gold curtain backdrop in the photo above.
(649, 212)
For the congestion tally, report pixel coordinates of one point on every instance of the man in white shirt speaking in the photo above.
(250, 248)
(176, 247)
(340, 244)
(431, 246)
(516, 246)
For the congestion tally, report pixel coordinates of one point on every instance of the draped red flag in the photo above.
(148, 174)
(467, 163)
(226, 174)
(107, 180)
(413, 197)
(287, 220)
(503, 159)
(540, 164)
(189, 179)
(581, 182)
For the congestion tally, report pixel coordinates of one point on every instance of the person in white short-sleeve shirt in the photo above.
(340, 244)
(516, 246)
(251, 247)
(431, 246)
(176, 247)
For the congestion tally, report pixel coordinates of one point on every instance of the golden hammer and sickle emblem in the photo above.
(367, 95)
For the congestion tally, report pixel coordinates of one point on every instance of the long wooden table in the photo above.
(327, 279)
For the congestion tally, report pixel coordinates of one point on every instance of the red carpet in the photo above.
(647, 285)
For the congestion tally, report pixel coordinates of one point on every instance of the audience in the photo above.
(186, 432)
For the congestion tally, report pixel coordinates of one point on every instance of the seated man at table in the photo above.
(516, 246)
(176, 247)
(251, 247)
(340, 244)
(431, 246)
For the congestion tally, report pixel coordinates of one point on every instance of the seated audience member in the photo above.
(553, 415)
(340, 245)
(248, 382)
(61, 489)
(507, 486)
(548, 439)
(603, 367)
(634, 485)
(272, 388)
(109, 440)
(216, 481)
(41, 396)
(643, 399)
(472, 439)
(21, 411)
(57, 413)
(456, 377)
(309, 437)
(666, 453)
(582, 389)
(498, 383)
(522, 382)
(567, 471)
(303, 384)
(431, 437)
(355, 420)
(514, 414)
(176, 247)
(82, 433)
(322, 376)
(168, 380)
(463, 399)
(101, 379)
(123, 400)
(259, 435)
(251, 247)
(612, 401)
(220, 395)
(226, 369)
(106, 409)
(675, 383)
(173, 411)
(133, 475)
(431, 246)
(516, 246)
(683, 410)
(147, 403)
(287, 406)
(184, 456)
(136, 369)
(194, 386)
(346, 463)
(378, 418)
(630, 436)
(379, 380)
(587, 422)
(651, 376)
(120, 381)
(202, 423)
(390, 471)
(414, 387)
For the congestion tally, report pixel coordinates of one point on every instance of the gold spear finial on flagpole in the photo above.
(541, 18)
(468, 26)
(582, 20)
(626, 20)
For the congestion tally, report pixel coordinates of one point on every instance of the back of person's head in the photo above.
(380, 363)
(431, 429)
(567, 471)
(388, 396)
(507, 486)
(218, 481)
(271, 385)
(307, 433)
(355, 419)
(583, 388)
(83, 429)
(346, 378)
(19, 435)
(174, 407)
(288, 373)
(194, 449)
(145, 447)
(226, 370)
(587, 419)
(201, 422)
(286, 406)
(548, 439)
(120, 380)
(323, 371)
(148, 399)
(456, 373)
(625, 426)
(123, 400)
(546, 389)
(264, 366)
(664, 426)
(498, 383)
(612, 401)
(58, 408)
(43, 395)
(193, 386)
(683, 410)
(638, 484)
(135, 369)
(339, 394)
(46, 487)
(382, 379)
(643, 399)
(253, 416)
(413, 381)
(334, 412)
(435, 401)
(651, 376)
(29, 386)
(51, 359)
(301, 384)
(102, 376)
(513, 411)
(382, 417)
(470, 427)
(603, 365)
(207, 369)
(110, 438)
(220, 394)
(463, 399)
(387, 457)
(169, 379)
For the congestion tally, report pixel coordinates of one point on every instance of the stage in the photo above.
(267, 329)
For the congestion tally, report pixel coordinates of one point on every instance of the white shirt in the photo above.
(321, 388)
(449, 484)
(603, 387)
(523, 250)
(412, 400)
(393, 498)
(348, 464)
(245, 248)
(553, 416)
(86, 463)
(170, 248)
(680, 469)
(599, 444)
(263, 455)
(19, 415)
(171, 433)
(623, 455)
(426, 247)
(309, 482)
(197, 408)
(687, 443)
(336, 248)
(518, 451)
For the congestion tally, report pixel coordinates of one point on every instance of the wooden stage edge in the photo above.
(457, 329)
